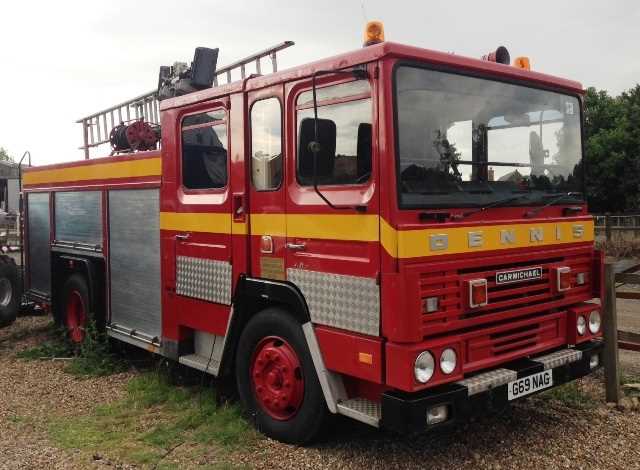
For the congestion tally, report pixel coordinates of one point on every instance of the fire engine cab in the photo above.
(393, 234)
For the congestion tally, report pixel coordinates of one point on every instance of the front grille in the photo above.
(447, 281)
(512, 340)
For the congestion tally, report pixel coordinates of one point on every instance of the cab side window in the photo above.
(266, 144)
(344, 134)
(204, 150)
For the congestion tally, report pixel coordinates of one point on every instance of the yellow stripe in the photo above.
(98, 171)
(397, 243)
(196, 222)
(389, 238)
(417, 243)
(239, 228)
(274, 225)
(363, 227)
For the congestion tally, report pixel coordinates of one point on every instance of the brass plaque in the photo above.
(272, 268)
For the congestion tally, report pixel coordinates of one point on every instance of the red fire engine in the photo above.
(392, 234)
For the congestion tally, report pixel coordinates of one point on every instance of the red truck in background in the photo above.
(393, 234)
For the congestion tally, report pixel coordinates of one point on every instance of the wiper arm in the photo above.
(499, 202)
(556, 198)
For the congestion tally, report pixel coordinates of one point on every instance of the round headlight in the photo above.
(581, 325)
(424, 367)
(594, 322)
(448, 360)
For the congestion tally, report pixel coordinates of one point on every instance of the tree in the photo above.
(612, 150)
(4, 156)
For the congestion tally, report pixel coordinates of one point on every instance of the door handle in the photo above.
(297, 246)
(238, 207)
(182, 236)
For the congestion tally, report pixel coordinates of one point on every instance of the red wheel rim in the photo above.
(276, 375)
(76, 317)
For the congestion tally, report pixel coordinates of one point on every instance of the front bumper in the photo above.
(486, 392)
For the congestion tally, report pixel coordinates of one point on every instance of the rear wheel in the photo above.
(76, 308)
(9, 291)
(277, 381)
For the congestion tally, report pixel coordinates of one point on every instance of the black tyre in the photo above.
(277, 381)
(10, 291)
(75, 308)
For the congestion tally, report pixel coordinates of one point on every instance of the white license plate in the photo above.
(527, 385)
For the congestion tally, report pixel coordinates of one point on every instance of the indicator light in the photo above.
(373, 33)
(430, 304)
(563, 278)
(522, 63)
(478, 296)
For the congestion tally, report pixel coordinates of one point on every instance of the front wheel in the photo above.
(277, 381)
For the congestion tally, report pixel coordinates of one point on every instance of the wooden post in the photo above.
(610, 325)
(607, 227)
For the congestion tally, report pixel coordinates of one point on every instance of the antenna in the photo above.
(364, 11)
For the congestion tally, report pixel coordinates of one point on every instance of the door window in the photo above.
(344, 132)
(266, 144)
(204, 150)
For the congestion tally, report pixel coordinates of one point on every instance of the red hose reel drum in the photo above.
(137, 136)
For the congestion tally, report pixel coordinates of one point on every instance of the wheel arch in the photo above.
(93, 271)
(251, 296)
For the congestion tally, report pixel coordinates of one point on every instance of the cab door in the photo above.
(202, 220)
(332, 253)
(266, 193)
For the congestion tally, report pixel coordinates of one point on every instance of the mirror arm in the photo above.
(314, 146)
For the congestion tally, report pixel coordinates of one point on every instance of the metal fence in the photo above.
(618, 226)
(617, 339)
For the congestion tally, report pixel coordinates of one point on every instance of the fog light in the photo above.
(424, 367)
(448, 360)
(594, 322)
(563, 278)
(478, 293)
(594, 361)
(430, 304)
(581, 278)
(581, 325)
(437, 414)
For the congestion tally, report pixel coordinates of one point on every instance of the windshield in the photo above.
(465, 141)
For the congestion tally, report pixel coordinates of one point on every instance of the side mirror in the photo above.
(203, 67)
(325, 147)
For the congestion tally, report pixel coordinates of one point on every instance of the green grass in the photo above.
(154, 419)
(570, 395)
(629, 379)
(93, 358)
(49, 349)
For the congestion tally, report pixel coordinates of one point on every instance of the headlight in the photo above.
(424, 367)
(448, 360)
(594, 322)
(581, 325)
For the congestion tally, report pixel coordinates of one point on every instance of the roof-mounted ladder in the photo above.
(97, 127)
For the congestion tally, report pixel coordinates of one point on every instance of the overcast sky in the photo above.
(61, 60)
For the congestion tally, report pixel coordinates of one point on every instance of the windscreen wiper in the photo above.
(555, 198)
(498, 203)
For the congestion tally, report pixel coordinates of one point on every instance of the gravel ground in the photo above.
(535, 433)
